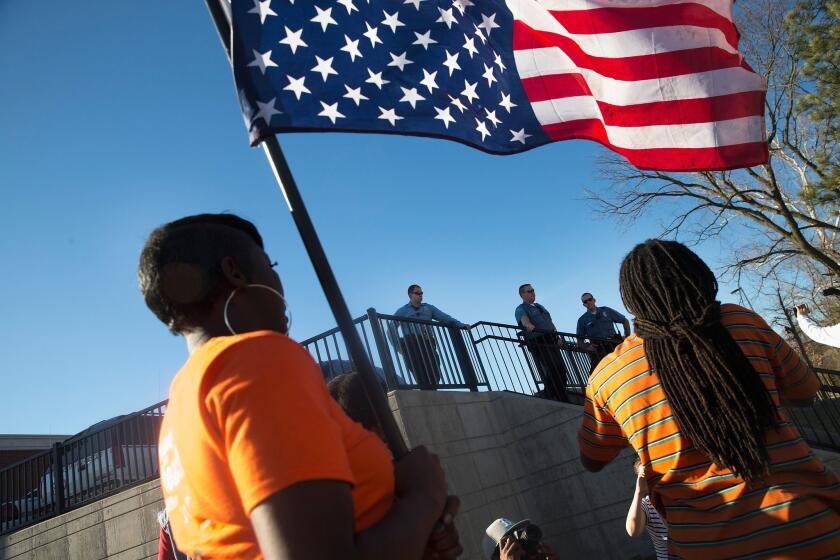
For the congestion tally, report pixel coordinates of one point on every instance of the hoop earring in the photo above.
(264, 287)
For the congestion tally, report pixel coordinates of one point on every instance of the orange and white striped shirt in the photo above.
(711, 513)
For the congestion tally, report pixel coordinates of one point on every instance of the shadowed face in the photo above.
(528, 294)
(588, 301)
(254, 308)
(415, 296)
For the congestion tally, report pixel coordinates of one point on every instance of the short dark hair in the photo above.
(202, 241)
(582, 296)
(411, 288)
(349, 392)
(522, 288)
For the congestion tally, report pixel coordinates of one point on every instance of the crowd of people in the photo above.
(259, 460)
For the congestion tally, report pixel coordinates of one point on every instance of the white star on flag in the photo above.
(324, 67)
(488, 23)
(392, 21)
(507, 103)
(411, 96)
(488, 75)
(389, 115)
(457, 102)
(376, 79)
(424, 39)
(324, 18)
(352, 48)
(491, 116)
(519, 136)
(481, 127)
(498, 61)
(461, 5)
(429, 80)
(452, 62)
(263, 8)
(349, 5)
(400, 61)
(330, 111)
(469, 91)
(372, 33)
(416, 3)
(446, 18)
(355, 94)
(266, 111)
(480, 35)
(443, 115)
(293, 39)
(469, 44)
(296, 85)
(262, 61)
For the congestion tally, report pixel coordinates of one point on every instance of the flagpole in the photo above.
(219, 10)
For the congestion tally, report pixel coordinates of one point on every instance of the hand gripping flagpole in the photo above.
(220, 11)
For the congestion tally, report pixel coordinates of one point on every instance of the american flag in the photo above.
(660, 82)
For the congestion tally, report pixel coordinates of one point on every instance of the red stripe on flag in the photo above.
(541, 88)
(631, 68)
(685, 111)
(678, 111)
(666, 159)
(613, 20)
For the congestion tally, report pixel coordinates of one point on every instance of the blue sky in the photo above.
(116, 117)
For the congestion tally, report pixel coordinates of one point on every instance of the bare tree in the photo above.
(767, 214)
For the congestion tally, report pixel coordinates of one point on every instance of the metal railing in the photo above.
(406, 354)
(417, 354)
(819, 423)
(104, 459)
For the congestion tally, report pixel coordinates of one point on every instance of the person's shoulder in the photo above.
(268, 340)
(401, 309)
(252, 353)
(731, 313)
(610, 310)
(628, 352)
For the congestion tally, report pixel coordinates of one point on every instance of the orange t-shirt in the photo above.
(248, 416)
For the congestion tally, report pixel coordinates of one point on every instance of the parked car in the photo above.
(95, 462)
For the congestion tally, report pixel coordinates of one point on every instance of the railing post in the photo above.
(58, 478)
(382, 347)
(463, 357)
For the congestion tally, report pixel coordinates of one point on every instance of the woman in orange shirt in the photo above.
(696, 391)
(256, 460)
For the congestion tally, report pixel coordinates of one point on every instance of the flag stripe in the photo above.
(630, 68)
(615, 20)
(682, 111)
(694, 135)
(629, 42)
(722, 7)
(550, 61)
(717, 158)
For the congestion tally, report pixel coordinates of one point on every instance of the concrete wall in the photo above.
(505, 455)
(508, 455)
(122, 527)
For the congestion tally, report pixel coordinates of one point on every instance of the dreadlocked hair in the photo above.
(717, 398)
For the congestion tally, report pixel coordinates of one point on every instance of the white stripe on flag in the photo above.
(566, 109)
(552, 60)
(696, 135)
(622, 44)
(723, 7)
